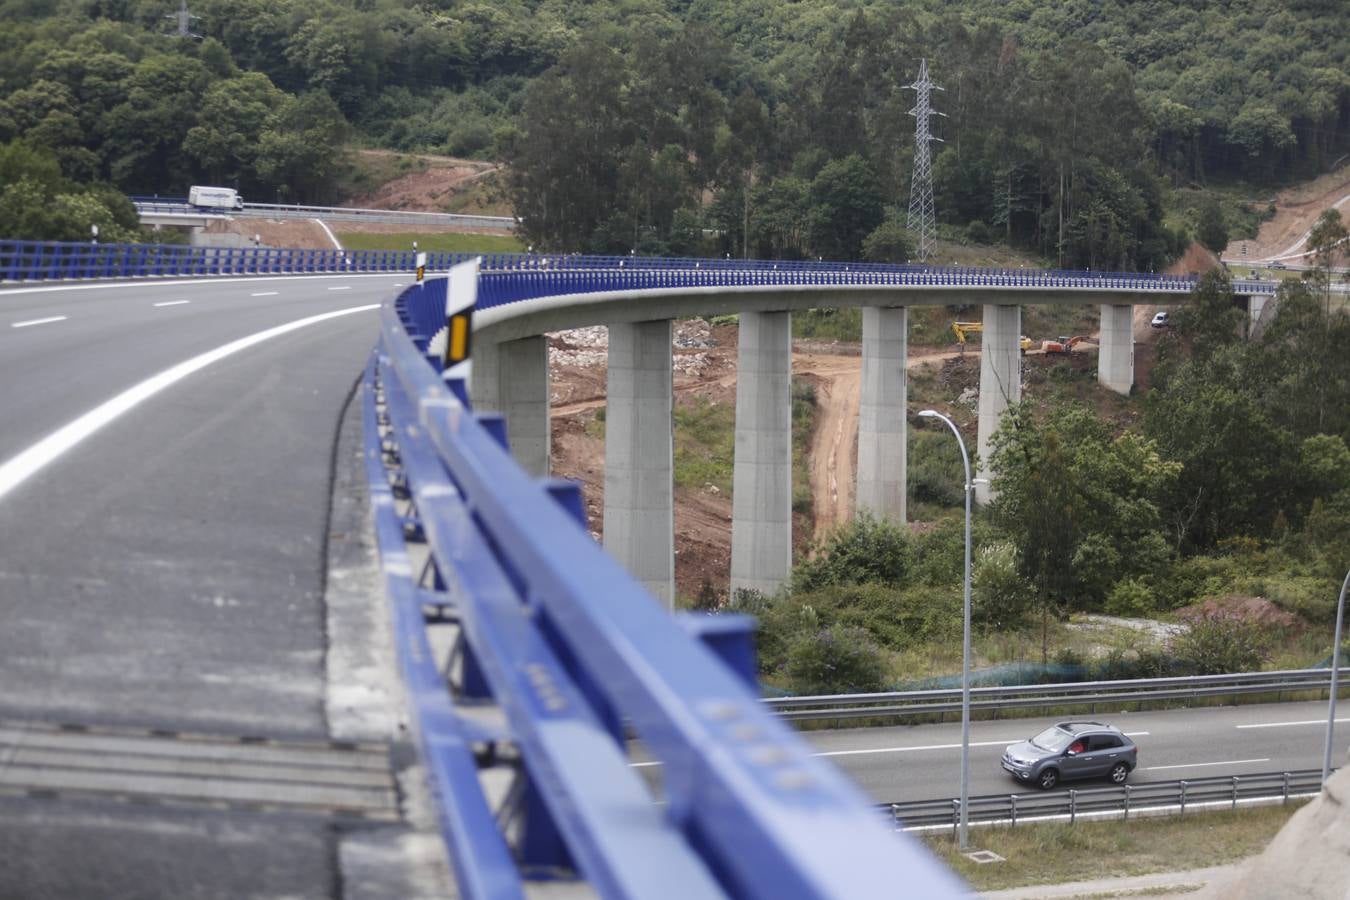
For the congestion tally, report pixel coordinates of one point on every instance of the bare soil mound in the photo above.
(428, 189)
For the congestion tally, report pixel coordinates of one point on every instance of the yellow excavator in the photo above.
(961, 329)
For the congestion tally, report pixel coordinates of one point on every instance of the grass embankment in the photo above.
(449, 242)
(1058, 853)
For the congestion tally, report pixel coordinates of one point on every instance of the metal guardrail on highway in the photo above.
(1125, 799)
(174, 206)
(1024, 696)
(502, 598)
(508, 277)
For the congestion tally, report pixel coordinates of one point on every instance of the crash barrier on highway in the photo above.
(1033, 696)
(510, 277)
(180, 206)
(1157, 797)
(529, 652)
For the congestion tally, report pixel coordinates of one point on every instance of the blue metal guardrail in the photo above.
(508, 277)
(501, 597)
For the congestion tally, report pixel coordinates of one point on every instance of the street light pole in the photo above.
(1335, 670)
(962, 832)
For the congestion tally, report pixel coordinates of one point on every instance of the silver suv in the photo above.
(1070, 750)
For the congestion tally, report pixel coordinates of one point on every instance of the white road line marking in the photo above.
(912, 749)
(195, 282)
(943, 746)
(38, 321)
(1283, 724)
(172, 302)
(641, 765)
(1226, 762)
(19, 468)
(341, 287)
(264, 294)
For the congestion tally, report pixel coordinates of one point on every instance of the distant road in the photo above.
(924, 762)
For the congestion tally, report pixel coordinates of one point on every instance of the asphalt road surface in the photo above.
(167, 458)
(924, 762)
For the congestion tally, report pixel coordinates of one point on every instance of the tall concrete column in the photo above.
(761, 502)
(882, 428)
(1115, 359)
(485, 378)
(639, 464)
(1000, 379)
(512, 378)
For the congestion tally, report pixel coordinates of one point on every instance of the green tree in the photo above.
(1083, 507)
(1212, 230)
(845, 208)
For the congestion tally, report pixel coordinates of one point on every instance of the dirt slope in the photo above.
(1296, 209)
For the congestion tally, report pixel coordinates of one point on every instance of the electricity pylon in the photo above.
(183, 19)
(922, 219)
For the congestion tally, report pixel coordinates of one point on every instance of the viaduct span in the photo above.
(638, 299)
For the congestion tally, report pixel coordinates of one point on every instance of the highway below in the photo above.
(170, 536)
(903, 764)
(923, 762)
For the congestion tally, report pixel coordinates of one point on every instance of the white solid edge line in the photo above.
(172, 302)
(1283, 724)
(19, 468)
(184, 280)
(37, 321)
(1222, 762)
(642, 765)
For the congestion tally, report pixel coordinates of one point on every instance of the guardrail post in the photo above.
(1012, 807)
(1235, 790)
(1127, 803)
(1285, 799)
(956, 817)
(1183, 799)
(1073, 806)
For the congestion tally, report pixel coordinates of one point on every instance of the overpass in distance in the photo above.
(192, 526)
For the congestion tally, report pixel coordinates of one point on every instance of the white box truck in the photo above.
(215, 197)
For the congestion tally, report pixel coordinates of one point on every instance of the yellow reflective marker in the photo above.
(457, 346)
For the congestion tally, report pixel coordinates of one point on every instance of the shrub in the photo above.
(1130, 597)
(864, 550)
(1000, 598)
(1218, 644)
(838, 660)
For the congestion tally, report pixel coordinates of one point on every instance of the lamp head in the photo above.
(928, 413)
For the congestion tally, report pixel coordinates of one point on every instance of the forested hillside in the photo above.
(781, 125)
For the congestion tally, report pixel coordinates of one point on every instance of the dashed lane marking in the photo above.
(172, 302)
(38, 321)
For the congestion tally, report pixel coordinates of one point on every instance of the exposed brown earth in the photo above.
(1296, 210)
(430, 189)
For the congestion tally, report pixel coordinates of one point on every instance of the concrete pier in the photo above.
(639, 465)
(1115, 359)
(512, 378)
(882, 427)
(761, 529)
(1000, 379)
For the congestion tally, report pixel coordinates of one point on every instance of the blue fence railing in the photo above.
(502, 597)
(508, 277)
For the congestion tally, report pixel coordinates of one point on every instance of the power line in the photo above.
(922, 217)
